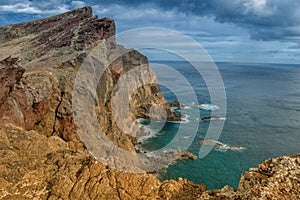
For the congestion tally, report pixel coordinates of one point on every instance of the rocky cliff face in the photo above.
(49, 51)
(42, 155)
(48, 54)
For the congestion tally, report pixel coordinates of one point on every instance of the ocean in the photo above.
(263, 117)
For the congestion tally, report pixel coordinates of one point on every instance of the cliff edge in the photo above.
(42, 154)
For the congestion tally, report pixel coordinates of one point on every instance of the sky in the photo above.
(258, 31)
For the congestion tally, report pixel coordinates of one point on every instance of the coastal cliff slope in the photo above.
(49, 53)
(42, 155)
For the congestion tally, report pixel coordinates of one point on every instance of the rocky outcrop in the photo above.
(175, 103)
(219, 144)
(42, 154)
(39, 64)
(50, 52)
(187, 155)
(19, 104)
(276, 178)
(9, 76)
(36, 167)
(210, 118)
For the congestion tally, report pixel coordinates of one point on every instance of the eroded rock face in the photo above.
(19, 103)
(40, 61)
(36, 167)
(51, 51)
(276, 178)
(9, 77)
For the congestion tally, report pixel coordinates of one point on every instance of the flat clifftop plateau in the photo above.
(42, 154)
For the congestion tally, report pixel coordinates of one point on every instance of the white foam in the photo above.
(185, 107)
(221, 146)
(144, 138)
(234, 148)
(228, 147)
(149, 131)
(207, 106)
(186, 118)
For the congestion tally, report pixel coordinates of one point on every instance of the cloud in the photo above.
(145, 15)
(294, 46)
(78, 4)
(261, 18)
(228, 30)
(265, 20)
(50, 7)
(21, 8)
(144, 11)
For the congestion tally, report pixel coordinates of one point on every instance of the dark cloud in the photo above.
(265, 19)
(295, 46)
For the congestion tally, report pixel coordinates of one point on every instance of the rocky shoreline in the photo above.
(42, 154)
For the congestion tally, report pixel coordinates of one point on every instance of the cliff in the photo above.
(42, 153)
(49, 53)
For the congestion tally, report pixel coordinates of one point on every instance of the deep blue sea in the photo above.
(263, 115)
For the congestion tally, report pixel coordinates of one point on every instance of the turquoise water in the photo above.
(263, 115)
